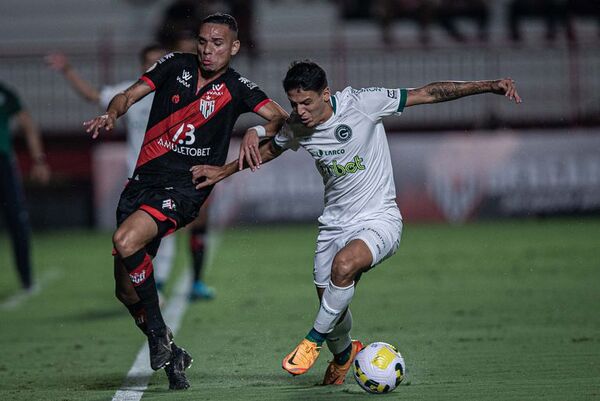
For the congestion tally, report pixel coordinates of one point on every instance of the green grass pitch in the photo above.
(487, 311)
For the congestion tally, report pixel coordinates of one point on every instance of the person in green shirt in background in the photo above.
(12, 201)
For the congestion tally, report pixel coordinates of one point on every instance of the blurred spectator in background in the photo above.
(426, 12)
(181, 19)
(552, 12)
(581, 9)
(448, 11)
(386, 11)
(12, 200)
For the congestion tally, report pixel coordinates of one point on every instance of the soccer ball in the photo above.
(379, 368)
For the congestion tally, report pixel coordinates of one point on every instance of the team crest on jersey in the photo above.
(343, 133)
(169, 204)
(207, 107)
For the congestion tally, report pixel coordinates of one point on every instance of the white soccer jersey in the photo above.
(136, 120)
(351, 153)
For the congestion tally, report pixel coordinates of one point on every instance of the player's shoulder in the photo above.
(241, 81)
(174, 58)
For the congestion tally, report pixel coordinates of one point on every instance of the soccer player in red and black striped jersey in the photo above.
(197, 101)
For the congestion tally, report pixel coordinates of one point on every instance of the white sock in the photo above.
(335, 301)
(339, 339)
(163, 261)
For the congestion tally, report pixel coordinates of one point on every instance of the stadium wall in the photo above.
(443, 177)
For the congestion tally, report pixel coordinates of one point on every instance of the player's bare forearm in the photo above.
(437, 92)
(205, 175)
(117, 107)
(124, 100)
(276, 117)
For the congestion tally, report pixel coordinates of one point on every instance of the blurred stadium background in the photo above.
(517, 168)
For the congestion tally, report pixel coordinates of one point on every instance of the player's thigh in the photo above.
(381, 236)
(329, 242)
(135, 232)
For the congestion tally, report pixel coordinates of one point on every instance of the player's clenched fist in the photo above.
(106, 121)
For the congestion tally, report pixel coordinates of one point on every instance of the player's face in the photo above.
(151, 58)
(216, 45)
(312, 107)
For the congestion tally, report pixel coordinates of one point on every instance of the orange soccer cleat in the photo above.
(336, 374)
(301, 358)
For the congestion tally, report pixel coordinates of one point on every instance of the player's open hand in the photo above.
(204, 175)
(40, 172)
(249, 151)
(507, 88)
(57, 61)
(106, 121)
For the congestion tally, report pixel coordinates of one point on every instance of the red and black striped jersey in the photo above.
(190, 125)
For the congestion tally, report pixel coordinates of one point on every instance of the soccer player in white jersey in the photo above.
(361, 224)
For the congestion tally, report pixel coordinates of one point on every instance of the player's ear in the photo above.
(235, 47)
(326, 94)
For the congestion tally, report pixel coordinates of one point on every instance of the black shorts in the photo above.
(169, 209)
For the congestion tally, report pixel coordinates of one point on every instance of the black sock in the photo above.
(139, 267)
(138, 312)
(197, 248)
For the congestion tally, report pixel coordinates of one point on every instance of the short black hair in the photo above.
(150, 48)
(223, 19)
(306, 75)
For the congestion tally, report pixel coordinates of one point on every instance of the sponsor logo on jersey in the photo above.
(343, 133)
(216, 90)
(165, 58)
(175, 99)
(169, 204)
(251, 85)
(364, 90)
(138, 278)
(184, 78)
(338, 169)
(332, 152)
(392, 93)
(207, 107)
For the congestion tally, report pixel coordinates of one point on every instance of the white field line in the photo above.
(139, 375)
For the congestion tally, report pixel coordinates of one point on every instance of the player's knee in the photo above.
(342, 271)
(124, 242)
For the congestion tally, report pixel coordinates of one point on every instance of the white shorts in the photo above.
(381, 235)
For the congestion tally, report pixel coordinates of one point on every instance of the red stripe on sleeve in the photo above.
(261, 104)
(148, 81)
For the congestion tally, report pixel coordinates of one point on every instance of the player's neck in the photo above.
(206, 77)
(327, 113)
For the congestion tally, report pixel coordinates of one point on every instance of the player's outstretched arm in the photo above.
(60, 63)
(117, 107)
(445, 91)
(276, 116)
(205, 175)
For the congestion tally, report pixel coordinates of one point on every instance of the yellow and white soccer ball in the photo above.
(379, 368)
